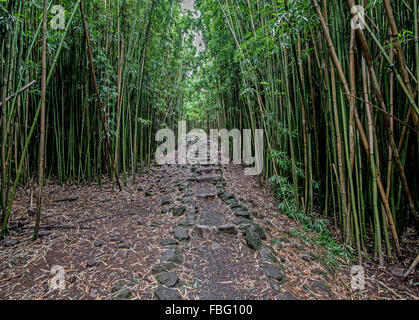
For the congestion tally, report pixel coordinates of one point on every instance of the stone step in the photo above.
(207, 178)
(207, 195)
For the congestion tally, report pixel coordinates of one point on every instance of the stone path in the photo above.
(198, 231)
(207, 242)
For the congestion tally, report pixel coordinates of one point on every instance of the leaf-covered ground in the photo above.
(164, 231)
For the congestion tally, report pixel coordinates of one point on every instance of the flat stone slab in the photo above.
(123, 246)
(272, 272)
(203, 230)
(287, 296)
(207, 178)
(226, 196)
(242, 213)
(97, 243)
(207, 195)
(168, 242)
(178, 211)
(228, 228)
(165, 293)
(169, 279)
(91, 262)
(166, 201)
(148, 193)
(253, 239)
(10, 242)
(182, 233)
(265, 254)
(162, 267)
(241, 220)
(215, 246)
(188, 193)
(171, 255)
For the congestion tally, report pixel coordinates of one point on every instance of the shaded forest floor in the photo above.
(175, 234)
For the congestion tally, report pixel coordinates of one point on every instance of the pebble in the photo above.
(97, 243)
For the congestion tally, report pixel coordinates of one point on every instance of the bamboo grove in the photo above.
(338, 105)
(91, 94)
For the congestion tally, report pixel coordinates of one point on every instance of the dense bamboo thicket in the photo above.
(338, 106)
(111, 80)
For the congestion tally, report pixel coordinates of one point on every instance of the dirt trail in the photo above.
(181, 232)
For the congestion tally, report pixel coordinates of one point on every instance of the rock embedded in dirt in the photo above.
(287, 296)
(55, 235)
(275, 285)
(162, 267)
(91, 262)
(242, 213)
(171, 255)
(202, 230)
(397, 271)
(253, 240)
(207, 178)
(165, 293)
(226, 196)
(188, 201)
(187, 223)
(187, 193)
(183, 186)
(93, 293)
(284, 239)
(215, 246)
(265, 254)
(118, 286)
(168, 242)
(207, 195)
(166, 201)
(258, 215)
(10, 242)
(320, 272)
(169, 279)
(148, 193)
(323, 287)
(307, 257)
(182, 233)
(297, 246)
(251, 202)
(238, 207)
(228, 228)
(190, 212)
(97, 243)
(241, 220)
(140, 223)
(125, 294)
(123, 246)
(273, 272)
(259, 230)
(121, 291)
(178, 211)
(44, 233)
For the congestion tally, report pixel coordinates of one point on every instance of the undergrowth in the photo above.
(312, 229)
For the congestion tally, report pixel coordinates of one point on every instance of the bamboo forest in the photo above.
(115, 115)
